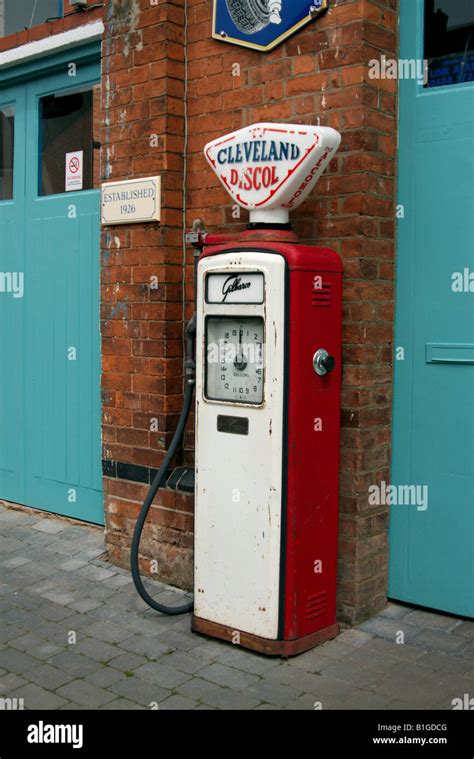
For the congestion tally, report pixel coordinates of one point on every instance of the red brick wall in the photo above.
(318, 76)
(142, 134)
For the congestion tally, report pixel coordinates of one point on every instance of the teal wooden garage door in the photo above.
(50, 452)
(432, 539)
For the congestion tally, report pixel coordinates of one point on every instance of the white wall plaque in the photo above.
(131, 201)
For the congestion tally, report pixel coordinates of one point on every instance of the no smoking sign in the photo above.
(74, 171)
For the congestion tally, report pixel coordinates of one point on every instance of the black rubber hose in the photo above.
(156, 485)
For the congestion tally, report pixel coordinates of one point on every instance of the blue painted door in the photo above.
(12, 252)
(432, 550)
(50, 449)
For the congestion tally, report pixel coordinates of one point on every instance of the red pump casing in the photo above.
(309, 519)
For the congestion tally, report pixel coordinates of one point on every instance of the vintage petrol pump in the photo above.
(268, 403)
(268, 378)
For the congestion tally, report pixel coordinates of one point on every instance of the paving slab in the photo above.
(432, 620)
(151, 648)
(85, 693)
(466, 628)
(140, 691)
(216, 696)
(75, 664)
(122, 704)
(97, 649)
(160, 674)
(177, 703)
(401, 651)
(105, 677)
(350, 672)
(51, 526)
(48, 677)
(440, 640)
(15, 661)
(275, 693)
(230, 677)
(35, 697)
(127, 662)
(26, 642)
(16, 561)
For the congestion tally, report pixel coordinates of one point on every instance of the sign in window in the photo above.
(69, 142)
(7, 139)
(449, 41)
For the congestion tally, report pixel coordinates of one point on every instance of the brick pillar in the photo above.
(320, 75)
(142, 281)
(366, 212)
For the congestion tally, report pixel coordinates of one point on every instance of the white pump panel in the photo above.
(239, 438)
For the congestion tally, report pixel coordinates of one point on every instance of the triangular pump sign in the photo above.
(270, 169)
(262, 24)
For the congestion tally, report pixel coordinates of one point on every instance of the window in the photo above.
(7, 131)
(69, 145)
(449, 41)
(16, 15)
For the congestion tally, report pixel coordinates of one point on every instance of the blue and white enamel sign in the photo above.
(262, 24)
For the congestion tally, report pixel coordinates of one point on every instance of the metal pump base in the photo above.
(262, 645)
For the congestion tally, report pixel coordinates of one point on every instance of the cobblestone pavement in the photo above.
(75, 635)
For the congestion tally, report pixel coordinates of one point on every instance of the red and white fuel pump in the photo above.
(268, 379)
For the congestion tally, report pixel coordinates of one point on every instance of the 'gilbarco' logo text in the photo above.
(232, 285)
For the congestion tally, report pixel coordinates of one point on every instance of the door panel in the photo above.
(59, 338)
(12, 312)
(431, 552)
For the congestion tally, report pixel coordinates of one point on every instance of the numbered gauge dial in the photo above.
(235, 359)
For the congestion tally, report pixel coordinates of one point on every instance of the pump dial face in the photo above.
(235, 359)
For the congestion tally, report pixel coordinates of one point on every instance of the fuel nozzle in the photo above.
(190, 357)
(196, 236)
